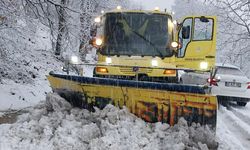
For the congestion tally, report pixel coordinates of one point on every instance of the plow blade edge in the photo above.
(153, 102)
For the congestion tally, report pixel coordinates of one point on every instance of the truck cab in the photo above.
(142, 45)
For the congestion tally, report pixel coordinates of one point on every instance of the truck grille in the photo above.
(129, 70)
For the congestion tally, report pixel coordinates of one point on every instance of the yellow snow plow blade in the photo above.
(153, 102)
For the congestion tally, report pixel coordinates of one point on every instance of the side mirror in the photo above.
(204, 19)
(185, 32)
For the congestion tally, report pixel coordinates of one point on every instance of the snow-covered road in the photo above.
(233, 127)
(56, 125)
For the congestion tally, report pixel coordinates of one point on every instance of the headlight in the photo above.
(154, 63)
(119, 7)
(98, 42)
(174, 44)
(203, 65)
(175, 22)
(169, 72)
(157, 9)
(97, 19)
(101, 69)
(74, 60)
(108, 60)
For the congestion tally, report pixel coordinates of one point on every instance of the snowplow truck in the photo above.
(139, 55)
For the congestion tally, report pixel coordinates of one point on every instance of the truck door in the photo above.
(197, 36)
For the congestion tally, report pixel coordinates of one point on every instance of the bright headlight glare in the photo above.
(157, 9)
(108, 60)
(97, 19)
(154, 63)
(203, 65)
(174, 44)
(74, 59)
(98, 42)
(119, 7)
(175, 22)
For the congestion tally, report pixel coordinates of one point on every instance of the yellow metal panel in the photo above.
(151, 105)
(199, 51)
(135, 61)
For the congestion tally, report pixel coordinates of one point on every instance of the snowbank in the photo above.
(54, 124)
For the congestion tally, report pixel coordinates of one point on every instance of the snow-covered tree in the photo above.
(92, 8)
(234, 31)
(183, 8)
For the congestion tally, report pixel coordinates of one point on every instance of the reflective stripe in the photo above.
(132, 83)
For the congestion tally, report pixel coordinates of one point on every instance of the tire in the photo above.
(241, 103)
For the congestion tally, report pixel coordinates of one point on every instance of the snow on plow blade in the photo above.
(153, 102)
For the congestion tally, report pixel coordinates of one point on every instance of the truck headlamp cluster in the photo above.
(156, 9)
(74, 60)
(175, 22)
(98, 41)
(204, 65)
(169, 72)
(97, 20)
(119, 7)
(101, 70)
(174, 44)
(108, 60)
(154, 63)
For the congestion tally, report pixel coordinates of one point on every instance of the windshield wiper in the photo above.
(148, 41)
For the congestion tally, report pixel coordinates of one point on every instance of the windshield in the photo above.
(137, 34)
(229, 71)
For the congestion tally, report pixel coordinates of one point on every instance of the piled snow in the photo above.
(56, 125)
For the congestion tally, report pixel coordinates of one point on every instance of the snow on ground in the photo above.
(233, 127)
(26, 85)
(17, 96)
(56, 125)
(23, 69)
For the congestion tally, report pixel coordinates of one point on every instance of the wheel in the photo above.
(241, 103)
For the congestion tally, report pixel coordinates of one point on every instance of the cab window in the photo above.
(187, 24)
(203, 29)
